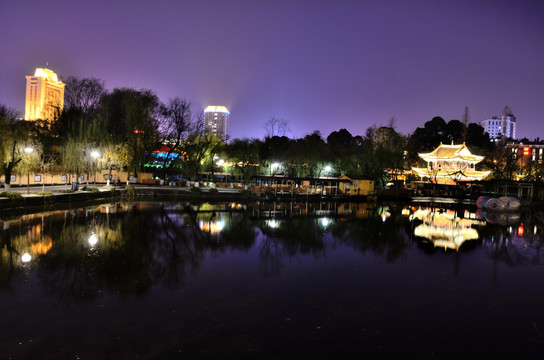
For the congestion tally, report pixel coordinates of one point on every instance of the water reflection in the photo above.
(444, 228)
(127, 248)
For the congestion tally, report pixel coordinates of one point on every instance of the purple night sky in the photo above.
(321, 65)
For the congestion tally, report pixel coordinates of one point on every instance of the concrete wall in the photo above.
(66, 178)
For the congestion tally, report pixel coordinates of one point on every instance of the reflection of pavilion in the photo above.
(445, 229)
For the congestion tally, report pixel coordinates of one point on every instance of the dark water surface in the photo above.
(271, 281)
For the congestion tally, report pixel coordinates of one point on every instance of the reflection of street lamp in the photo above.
(28, 150)
(26, 257)
(93, 239)
(94, 155)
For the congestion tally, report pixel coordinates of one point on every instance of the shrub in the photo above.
(90, 188)
(45, 193)
(196, 190)
(130, 191)
(11, 194)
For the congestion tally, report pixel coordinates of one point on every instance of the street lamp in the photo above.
(28, 150)
(94, 155)
(274, 167)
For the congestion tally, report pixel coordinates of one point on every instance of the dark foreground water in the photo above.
(271, 281)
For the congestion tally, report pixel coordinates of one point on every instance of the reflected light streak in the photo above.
(93, 239)
(273, 224)
(325, 222)
(26, 257)
(212, 227)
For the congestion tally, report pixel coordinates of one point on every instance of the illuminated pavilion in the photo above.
(450, 163)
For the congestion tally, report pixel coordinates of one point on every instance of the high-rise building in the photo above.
(498, 126)
(44, 95)
(216, 121)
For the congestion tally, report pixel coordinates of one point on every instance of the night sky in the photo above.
(321, 65)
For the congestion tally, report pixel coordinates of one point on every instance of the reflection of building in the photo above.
(450, 163)
(504, 125)
(44, 95)
(445, 229)
(216, 121)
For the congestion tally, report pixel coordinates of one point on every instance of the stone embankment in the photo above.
(37, 202)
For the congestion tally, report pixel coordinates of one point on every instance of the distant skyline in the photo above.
(321, 65)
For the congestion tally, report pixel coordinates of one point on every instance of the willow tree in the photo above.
(200, 149)
(13, 139)
(131, 121)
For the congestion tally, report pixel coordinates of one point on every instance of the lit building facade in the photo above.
(498, 126)
(527, 153)
(44, 95)
(450, 163)
(216, 121)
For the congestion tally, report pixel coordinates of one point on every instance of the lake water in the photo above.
(151, 280)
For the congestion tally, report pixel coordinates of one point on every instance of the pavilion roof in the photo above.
(452, 153)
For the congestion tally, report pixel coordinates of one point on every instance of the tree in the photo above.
(455, 132)
(13, 137)
(274, 150)
(81, 118)
(177, 124)
(503, 161)
(199, 151)
(315, 154)
(427, 138)
(84, 94)
(466, 121)
(245, 155)
(276, 127)
(131, 118)
(385, 150)
(342, 144)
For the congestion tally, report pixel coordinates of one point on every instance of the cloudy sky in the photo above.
(321, 65)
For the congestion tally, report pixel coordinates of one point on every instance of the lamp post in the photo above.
(28, 150)
(94, 155)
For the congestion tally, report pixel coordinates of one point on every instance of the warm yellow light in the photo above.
(48, 74)
(212, 227)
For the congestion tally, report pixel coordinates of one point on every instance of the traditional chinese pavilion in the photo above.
(448, 164)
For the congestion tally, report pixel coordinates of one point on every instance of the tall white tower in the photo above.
(216, 121)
